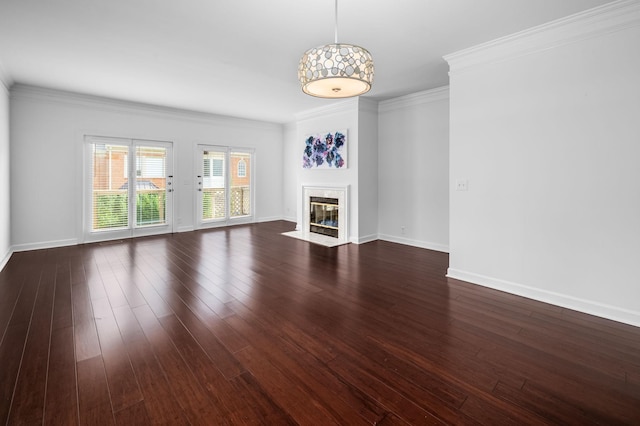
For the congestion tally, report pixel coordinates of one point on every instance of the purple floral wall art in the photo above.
(325, 150)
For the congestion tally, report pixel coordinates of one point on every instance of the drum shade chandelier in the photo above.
(336, 70)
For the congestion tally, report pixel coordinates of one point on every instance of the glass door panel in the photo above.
(151, 186)
(109, 193)
(240, 196)
(129, 189)
(213, 186)
(224, 185)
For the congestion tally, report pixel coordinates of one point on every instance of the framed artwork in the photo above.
(325, 151)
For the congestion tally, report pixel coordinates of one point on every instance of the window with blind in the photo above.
(110, 197)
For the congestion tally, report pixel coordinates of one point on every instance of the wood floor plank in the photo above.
(63, 307)
(122, 382)
(385, 395)
(148, 292)
(94, 404)
(189, 293)
(187, 391)
(344, 403)
(135, 414)
(202, 367)
(112, 288)
(287, 393)
(240, 400)
(86, 335)
(311, 357)
(61, 407)
(255, 406)
(10, 288)
(496, 411)
(159, 400)
(241, 325)
(223, 358)
(95, 286)
(13, 343)
(295, 330)
(551, 373)
(547, 406)
(129, 289)
(10, 358)
(29, 394)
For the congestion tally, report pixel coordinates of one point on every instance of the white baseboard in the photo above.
(268, 219)
(186, 228)
(570, 302)
(5, 259)
(290, 219)
(365, 239)
(415, 243)
(45, 245)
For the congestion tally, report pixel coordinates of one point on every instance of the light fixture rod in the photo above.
(336, 37)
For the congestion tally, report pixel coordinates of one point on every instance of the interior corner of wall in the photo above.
(5, 259)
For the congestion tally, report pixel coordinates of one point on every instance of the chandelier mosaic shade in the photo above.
(336, 71)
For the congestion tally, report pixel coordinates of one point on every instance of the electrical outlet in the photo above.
(462, 185)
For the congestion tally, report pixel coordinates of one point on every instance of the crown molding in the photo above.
(5, 80)
(42, 94)
(602, 20)
(414, 99)
(355, 104)
(348, 105)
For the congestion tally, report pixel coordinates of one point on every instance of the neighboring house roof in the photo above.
(141, 184)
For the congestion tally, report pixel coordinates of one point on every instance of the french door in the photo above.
(224, 185)
(129, 188)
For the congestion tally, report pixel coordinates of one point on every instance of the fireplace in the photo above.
(323, 216)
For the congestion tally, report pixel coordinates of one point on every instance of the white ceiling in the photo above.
(240, 57)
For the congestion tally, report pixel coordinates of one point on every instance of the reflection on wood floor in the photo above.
(243, 325)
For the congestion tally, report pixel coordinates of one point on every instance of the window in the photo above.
(147, 167)
(109, 201)
(242, 168)
(213, 166)
(216, 167)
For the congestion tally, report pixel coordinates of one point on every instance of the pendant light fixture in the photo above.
(336, 70)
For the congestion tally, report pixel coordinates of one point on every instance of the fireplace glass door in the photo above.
(324, 216)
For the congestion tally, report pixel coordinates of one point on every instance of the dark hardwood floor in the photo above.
(244, 326)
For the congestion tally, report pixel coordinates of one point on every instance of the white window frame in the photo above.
(90, 235)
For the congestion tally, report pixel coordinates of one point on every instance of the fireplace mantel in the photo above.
(341, 193)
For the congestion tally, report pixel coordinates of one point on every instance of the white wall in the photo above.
(291, 162)
(5, 189)
(545, 126)
(413, 184)
(342, 115)
(47, 129)
(367, 170)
